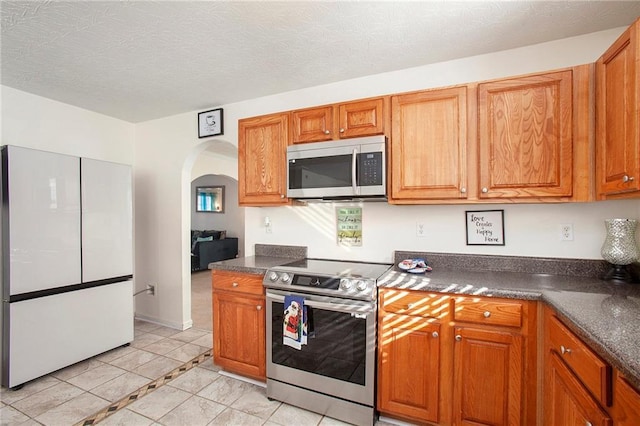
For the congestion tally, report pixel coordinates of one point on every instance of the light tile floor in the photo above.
(199, 396)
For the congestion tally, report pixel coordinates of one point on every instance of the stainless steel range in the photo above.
(327, 363)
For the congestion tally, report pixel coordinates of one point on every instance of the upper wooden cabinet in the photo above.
(346, 120)
(522, 139)
(617, 118)
(429, 140)
(262, 158)
(530, 130)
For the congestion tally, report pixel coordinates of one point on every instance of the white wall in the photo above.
(40, 123)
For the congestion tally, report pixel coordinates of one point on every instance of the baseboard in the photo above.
(177, 326)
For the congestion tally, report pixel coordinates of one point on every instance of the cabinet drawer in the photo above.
(415, 303)
(488, 312)
(588, 367)
(237, 282)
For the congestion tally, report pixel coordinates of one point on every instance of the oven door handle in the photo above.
(355, 307)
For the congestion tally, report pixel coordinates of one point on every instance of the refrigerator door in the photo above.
(52, 332)
(107, 246)
(43, 242)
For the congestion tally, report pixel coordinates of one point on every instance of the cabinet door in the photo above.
(525, 130)
(487, 377)
(626, 403)
(262, 158)
(617, 115)
(239, 334)
(361, 118)
(567, 402)
(409, 367)
(429, 145)
(312, 125)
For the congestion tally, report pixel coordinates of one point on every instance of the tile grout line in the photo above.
(148, 388)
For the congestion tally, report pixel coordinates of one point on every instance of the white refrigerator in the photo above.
(67, 261)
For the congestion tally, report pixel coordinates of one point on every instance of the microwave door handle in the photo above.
(353, 171)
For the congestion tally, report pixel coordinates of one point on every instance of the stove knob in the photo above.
(285, 277)
(273, 276)
(361, 285)
(345, 284)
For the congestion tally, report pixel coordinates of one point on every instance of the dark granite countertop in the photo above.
(605, 315)
(250, 264)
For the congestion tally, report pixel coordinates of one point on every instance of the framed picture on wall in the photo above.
(485, 228)
(210, 199)
(210, 123)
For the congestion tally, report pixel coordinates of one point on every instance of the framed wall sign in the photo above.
(485, 228)
(210, 123)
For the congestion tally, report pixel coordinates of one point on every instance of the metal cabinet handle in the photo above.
(463, 190)
(341, 130)
(485, 190)
(259, 307)
(326, 132)
(627, 178)
(458, 338)
(564, 350)
(281, 195)
(234, 285)
(435, 334)
(410, 305)
(486, 314)
(587, 423)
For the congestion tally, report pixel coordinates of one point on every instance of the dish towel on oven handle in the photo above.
(294, 333)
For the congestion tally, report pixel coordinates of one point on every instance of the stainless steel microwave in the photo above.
(345, 169)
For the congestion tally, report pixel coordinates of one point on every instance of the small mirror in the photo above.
(210, 199)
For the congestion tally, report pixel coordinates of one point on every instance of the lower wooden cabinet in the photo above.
(567, 402)
(487, 377)
(409, 367)
(239, 323)
(457, 360)
(580, 388)
(626, 403)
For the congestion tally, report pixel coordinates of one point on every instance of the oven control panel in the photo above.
(360, 288)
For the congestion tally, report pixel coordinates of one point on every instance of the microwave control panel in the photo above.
(370, 169)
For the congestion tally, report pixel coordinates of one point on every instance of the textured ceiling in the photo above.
(140, 60)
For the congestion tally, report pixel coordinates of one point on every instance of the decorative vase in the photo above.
(620, 248)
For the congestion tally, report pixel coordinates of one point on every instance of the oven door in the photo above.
(339, 357)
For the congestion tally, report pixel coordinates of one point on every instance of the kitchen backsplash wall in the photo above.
(531, 230)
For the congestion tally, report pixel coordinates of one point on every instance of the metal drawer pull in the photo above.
(564, 350)
(259, 307)
(234, 285)
(326, 132)
(485, 190)
(434, 334)
(487, 314)
(458, 338)
(626, 178)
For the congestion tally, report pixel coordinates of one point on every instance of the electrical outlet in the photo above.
(421, 229)
(566, 232)
(151, 289)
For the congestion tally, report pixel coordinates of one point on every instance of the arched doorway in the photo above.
(211, 163)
